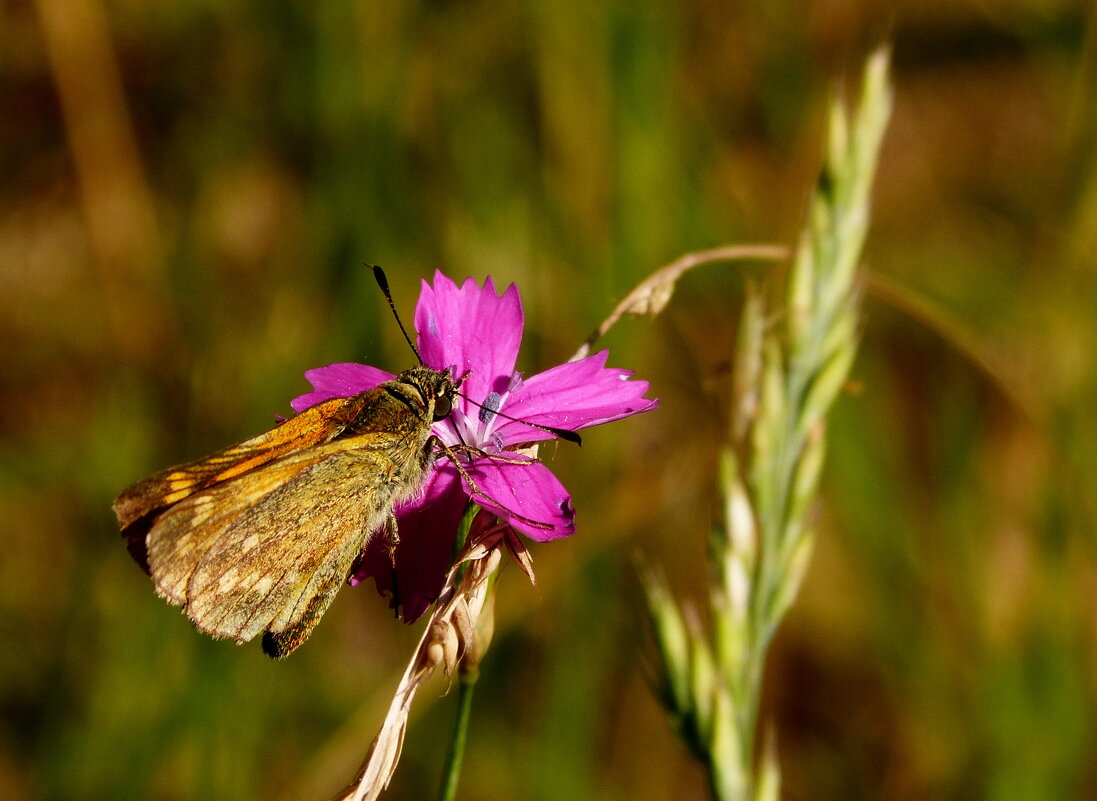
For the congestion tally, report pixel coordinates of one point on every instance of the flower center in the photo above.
(491, 405)
(478, 430)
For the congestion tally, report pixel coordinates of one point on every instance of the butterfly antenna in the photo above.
(383, 282)
(559, 433)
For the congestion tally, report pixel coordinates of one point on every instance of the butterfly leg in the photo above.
(392, 535)
(451, 454)
(495, 457)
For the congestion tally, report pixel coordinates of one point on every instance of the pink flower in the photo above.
(477, 332)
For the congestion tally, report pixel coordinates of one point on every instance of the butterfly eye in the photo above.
(442, 407)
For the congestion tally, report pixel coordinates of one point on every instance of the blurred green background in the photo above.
(188, 193)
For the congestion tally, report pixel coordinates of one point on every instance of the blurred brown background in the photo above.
(188, 192)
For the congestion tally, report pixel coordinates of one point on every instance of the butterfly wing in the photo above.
(267, 550)
(138, 506)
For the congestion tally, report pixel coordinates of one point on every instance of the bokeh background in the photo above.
(188, 192)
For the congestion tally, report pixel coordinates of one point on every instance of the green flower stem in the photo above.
(466, 684)
(451, 771)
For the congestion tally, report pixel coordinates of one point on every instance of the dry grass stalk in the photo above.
(652, 294)
(450, 640)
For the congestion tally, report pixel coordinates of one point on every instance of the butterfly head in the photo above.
(435, 388)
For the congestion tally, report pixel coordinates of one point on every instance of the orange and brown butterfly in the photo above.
(259, 537)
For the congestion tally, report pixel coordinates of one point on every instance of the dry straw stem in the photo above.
(455, 634)
(651, 295)
(960, 337)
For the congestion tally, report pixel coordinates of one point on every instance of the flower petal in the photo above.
(573, 396)
(339, 381)
(529, 491)
(427, 527)
(471, 329)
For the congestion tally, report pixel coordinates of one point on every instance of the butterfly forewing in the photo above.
(137, 507)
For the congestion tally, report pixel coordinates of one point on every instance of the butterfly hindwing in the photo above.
(267, 551)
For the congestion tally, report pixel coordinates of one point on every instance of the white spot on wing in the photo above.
(228, 579)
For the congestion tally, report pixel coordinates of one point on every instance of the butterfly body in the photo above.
(259, 537)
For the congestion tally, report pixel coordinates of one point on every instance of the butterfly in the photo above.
(259, 537)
